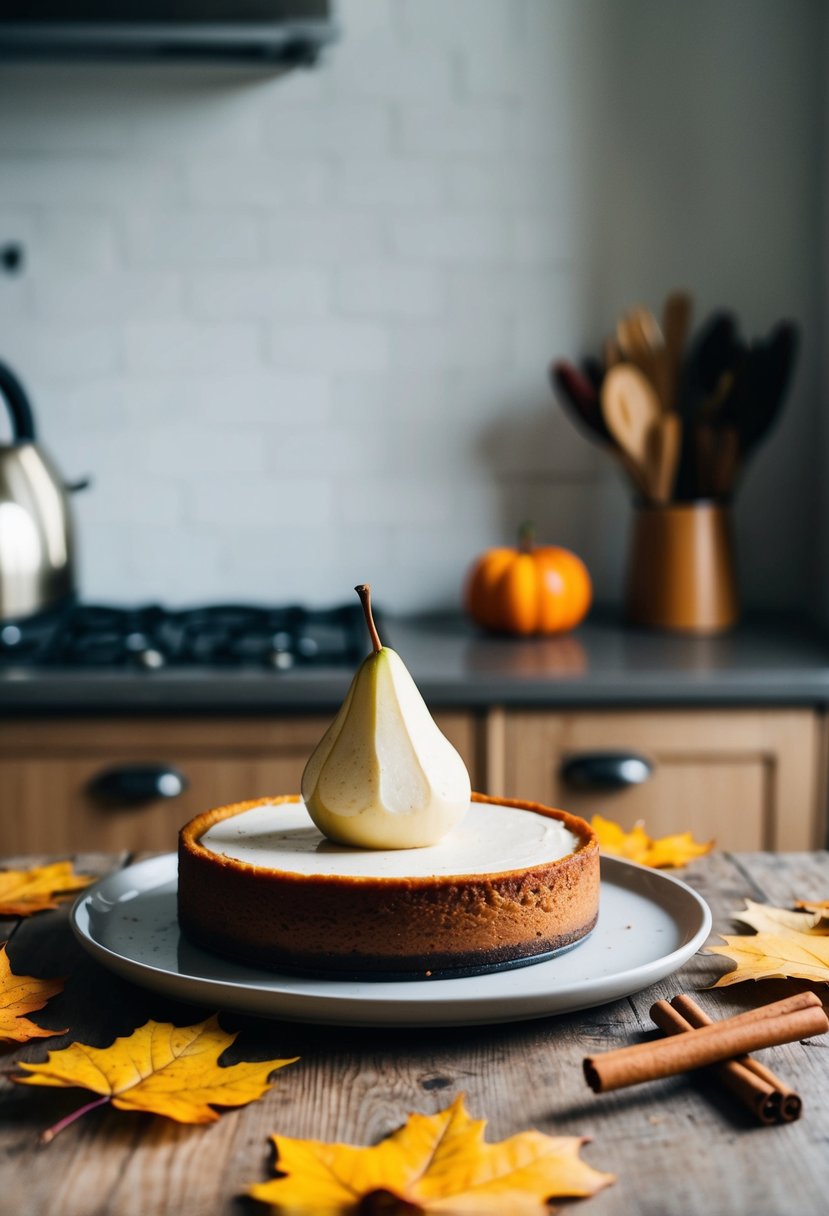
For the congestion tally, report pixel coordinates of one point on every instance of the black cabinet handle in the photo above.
(605, 770)
(136, 783)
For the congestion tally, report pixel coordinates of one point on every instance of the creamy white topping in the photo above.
(491, 839)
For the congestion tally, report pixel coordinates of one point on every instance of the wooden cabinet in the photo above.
(50, 774)
(750, 779)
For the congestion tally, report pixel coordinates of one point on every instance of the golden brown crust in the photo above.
(336, 924)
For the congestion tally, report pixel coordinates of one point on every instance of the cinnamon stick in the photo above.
(789, 1004)
(709, 1045)
(758, 1095)
(789, 1102)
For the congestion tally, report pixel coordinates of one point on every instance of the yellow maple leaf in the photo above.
(19, 995)
(159, 1068)
(23, 892)
(434, 1163)
(801, 956)
(636, 845)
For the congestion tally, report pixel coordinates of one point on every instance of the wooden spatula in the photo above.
(664, 443)
(630, 407)
(641, 343)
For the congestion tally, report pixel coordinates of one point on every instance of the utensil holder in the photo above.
(681, 571)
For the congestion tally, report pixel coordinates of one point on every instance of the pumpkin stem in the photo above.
(364, 592)
(526, 536)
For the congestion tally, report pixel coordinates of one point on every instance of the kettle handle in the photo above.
(17, 403)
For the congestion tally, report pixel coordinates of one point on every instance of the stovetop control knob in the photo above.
(151, 658)
(11, 635)
(281, 660)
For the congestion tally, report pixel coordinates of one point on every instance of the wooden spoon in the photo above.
(676, 325)
(630, 407)
(664, 444)
(642, 344)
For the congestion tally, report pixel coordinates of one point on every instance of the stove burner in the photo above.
(220, 635)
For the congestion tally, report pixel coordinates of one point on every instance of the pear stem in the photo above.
(364, 592)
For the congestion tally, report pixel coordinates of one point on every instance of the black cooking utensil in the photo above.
(711, 357)
(756, 389)
(580, 398)
(593, 370)
(712, 354)
(771, 373)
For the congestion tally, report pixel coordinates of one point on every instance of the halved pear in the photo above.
(383, 776)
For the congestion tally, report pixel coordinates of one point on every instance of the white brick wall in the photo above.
(297, 326)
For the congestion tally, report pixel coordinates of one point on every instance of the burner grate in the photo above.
(215, 635)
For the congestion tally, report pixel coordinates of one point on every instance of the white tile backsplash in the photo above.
(454, 130)
(469, 237)
(72, 350)
(184, 346)
(232, 501)
(323, 236)
(329, 127)
(62, 296)
(408, 73)
(335, 345)
(297, 325)
(399, 182)
(57, 181)
(390, 291)
(261, 294)
(192, 236)
(233, 180)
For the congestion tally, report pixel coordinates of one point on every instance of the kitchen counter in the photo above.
(677, 1145)
(768, 660)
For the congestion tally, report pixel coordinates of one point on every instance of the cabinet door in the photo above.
(748, 779)
(50, 774)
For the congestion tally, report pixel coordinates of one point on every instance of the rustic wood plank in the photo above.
(679, 1145)
(799, 876)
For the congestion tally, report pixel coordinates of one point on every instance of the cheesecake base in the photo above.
(400, 927)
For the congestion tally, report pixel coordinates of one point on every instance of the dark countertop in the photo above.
(768, 660)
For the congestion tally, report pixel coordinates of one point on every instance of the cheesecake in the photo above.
(513, 883)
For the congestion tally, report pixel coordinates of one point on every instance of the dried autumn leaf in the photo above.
(613, 839)
(811, 905)
(636, 845)
(676, 850)
(766, 956)
(434, 1163)
(160, 1068)
(764, 918)
(19, 995)
(23, 892)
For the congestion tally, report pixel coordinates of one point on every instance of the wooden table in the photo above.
(677, 1146)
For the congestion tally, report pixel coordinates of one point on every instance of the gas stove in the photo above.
(153, 638)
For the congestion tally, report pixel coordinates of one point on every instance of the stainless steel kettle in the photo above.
(36, 534)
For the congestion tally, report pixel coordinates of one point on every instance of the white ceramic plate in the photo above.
(649, 925)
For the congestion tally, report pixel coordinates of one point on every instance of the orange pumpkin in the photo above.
(529, 589)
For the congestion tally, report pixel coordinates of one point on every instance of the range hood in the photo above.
(286, 32)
